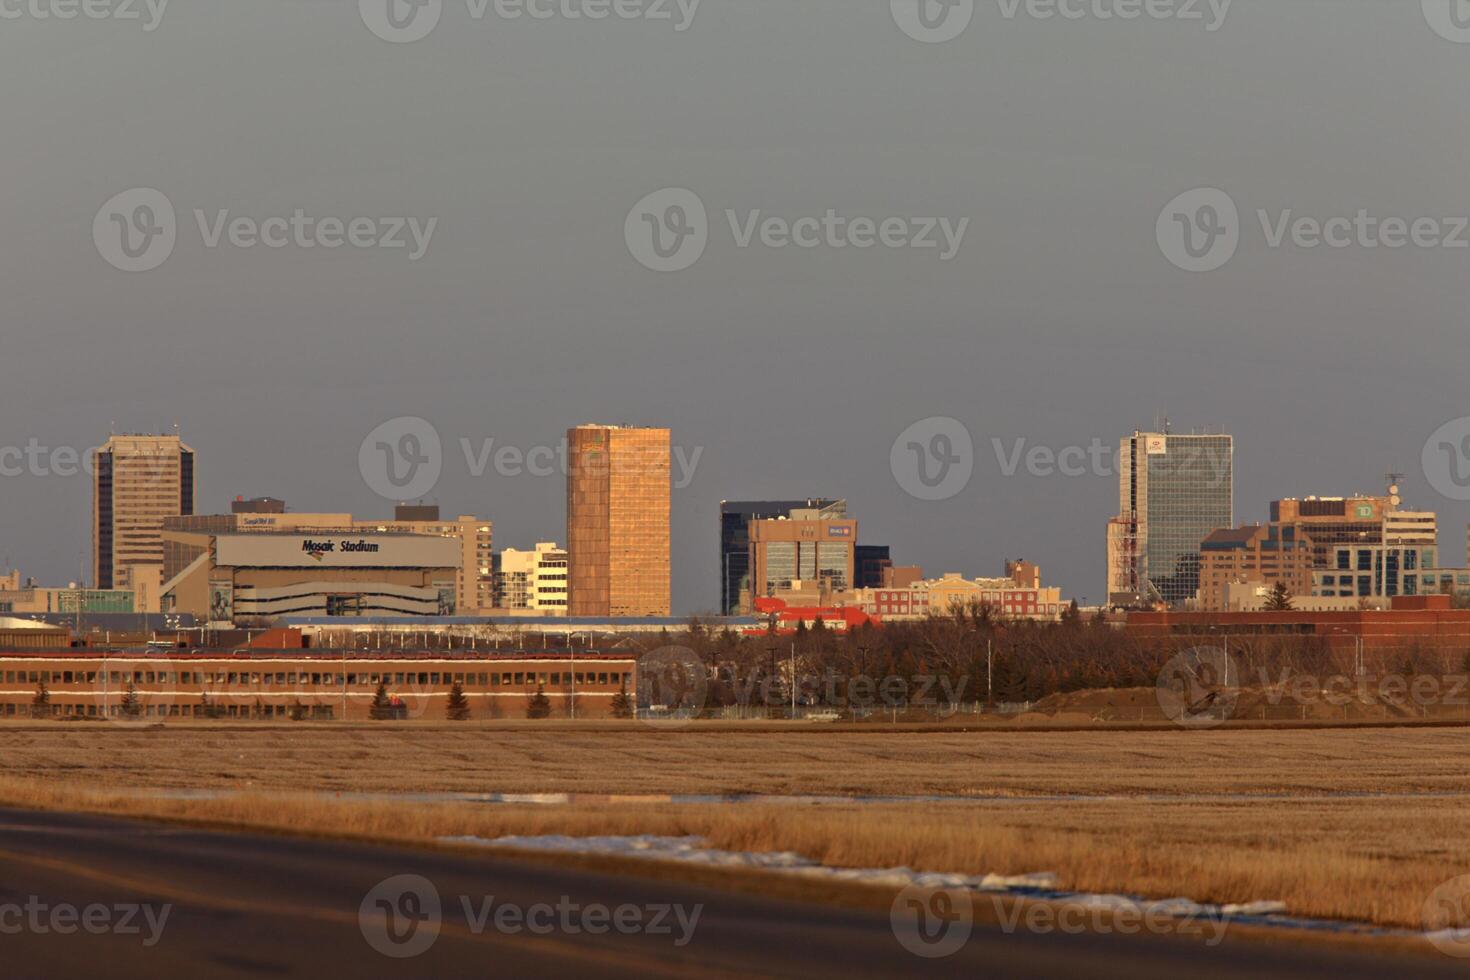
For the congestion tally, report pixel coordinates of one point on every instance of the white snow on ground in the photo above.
(691, 849)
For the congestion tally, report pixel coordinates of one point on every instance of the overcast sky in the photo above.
(1060, 319)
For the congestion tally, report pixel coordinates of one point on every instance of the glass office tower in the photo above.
(1173, 491)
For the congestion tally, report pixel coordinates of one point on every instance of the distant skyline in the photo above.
(1060, 318)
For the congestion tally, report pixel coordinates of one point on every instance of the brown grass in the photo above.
(1165, 814)
(637, 759)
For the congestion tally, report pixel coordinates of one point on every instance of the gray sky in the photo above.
(1059, 320)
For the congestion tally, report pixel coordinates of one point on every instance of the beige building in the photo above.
(532, 583)
(474, 581)
(257, 577)
(139, 481)
(802, 548)
(618, 499)
(1237, 564)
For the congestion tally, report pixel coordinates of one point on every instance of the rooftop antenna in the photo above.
(1394, 480)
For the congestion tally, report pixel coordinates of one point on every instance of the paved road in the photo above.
(255, 905)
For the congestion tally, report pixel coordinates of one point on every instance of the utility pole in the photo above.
(793, 680)
(989, 673)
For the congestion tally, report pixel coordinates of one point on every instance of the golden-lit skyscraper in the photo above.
(139, 481)
(618, 488)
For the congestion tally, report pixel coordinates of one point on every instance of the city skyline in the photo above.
(1074, 584)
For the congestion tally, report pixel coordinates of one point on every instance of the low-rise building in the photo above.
(1256, 557)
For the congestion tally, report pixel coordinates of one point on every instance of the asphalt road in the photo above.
(85, 896)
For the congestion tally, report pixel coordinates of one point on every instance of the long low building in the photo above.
(307, 684)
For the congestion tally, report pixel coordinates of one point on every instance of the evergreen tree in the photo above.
(622, 704)
(1280, 599)
(298, 711)
(457, 708)
(207, 707)
(131, 708)
(539, 706)
(380, 709)
(41, 702)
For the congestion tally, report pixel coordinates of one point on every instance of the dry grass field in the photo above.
(1353, 824)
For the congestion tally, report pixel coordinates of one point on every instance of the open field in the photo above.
(629, 758)
(1354, 824)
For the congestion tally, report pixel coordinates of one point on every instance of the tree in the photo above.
(622, 704)
(538, 706)
(457, 708)
(1280, 598)
(41, 702)
(208, 708)
(130, 706)
(298, 711)
(380, 709)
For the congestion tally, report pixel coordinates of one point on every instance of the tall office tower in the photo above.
(735, 518)
(139, 481)
(618, 480)
(1173, 490)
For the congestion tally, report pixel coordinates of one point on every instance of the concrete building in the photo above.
(474, 580)
(1254, 556)
(257, 577)
(532, 583)
(618, 499)
(1333, 521)
(804, 547)
(735, 518)
(1173, 490)
(139, 481)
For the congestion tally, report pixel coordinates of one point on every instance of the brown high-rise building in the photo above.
(139, 481)
(618, 480)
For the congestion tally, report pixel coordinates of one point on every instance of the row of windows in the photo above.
(266, 679)
(319, 711)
